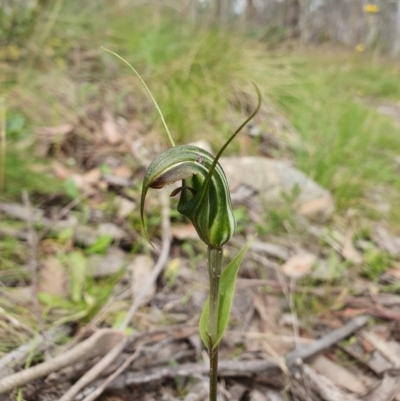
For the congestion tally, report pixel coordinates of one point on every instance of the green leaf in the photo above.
(77, 268)
(101, 245)
(15, 124)
(226, 292)
(71, 189)
(203, 325)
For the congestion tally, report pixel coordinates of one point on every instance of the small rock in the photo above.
(108, 264)
(271, 179)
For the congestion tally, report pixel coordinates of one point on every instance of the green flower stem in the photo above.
(213, 373)
(214, 269)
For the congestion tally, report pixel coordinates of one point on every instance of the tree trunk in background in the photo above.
(249, 12)
(292, 17)
(193, 10)
(347, 22)
(222, 11)
(396, 39)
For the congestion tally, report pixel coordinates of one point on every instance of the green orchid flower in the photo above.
(204, 195)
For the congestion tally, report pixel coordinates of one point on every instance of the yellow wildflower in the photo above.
(371, 8)
(360, 47)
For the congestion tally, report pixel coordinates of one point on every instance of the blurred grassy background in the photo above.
(54, 72)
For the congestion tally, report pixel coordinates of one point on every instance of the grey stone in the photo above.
(275, 182)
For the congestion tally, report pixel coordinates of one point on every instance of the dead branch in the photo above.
(162, 260)
(19, 355)
(98, 344)
(327, 390)
(327, 341)
(95, 371)
(241, 368)
(276, 287)
(387, 349)
(387, 389)
(33, 242)
(99, 390)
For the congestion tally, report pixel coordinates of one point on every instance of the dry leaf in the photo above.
(124, 207)
(61, 171)
(319, 209)
(92, 176)
(378, 363)
(386, 241)
(389, 349)
(79, 180)
(110, 129)
(299, 265)
(123, 171)
(62, 129)
(338, 374)
(53, 278)
(349, 252)
(257, 396)
(394, 271)
(140, 268)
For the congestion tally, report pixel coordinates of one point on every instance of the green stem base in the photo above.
(214, 269)
(213, 373)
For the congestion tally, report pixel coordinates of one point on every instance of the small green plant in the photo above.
(376, 262)
(205, 200)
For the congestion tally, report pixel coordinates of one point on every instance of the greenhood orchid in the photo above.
(204, 195)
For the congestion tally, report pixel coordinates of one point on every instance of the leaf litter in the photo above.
(106, 264)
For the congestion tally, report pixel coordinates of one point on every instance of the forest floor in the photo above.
(317, 308)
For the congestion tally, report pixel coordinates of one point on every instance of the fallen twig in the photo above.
(162, 260)
(101, 342)
(276, 286)
(33, 242)
(328, 391)
(36, 345)
(387, 349)
(99, 390)
(95, 371)
(386, 389)
(241, 368)
(374, 309)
